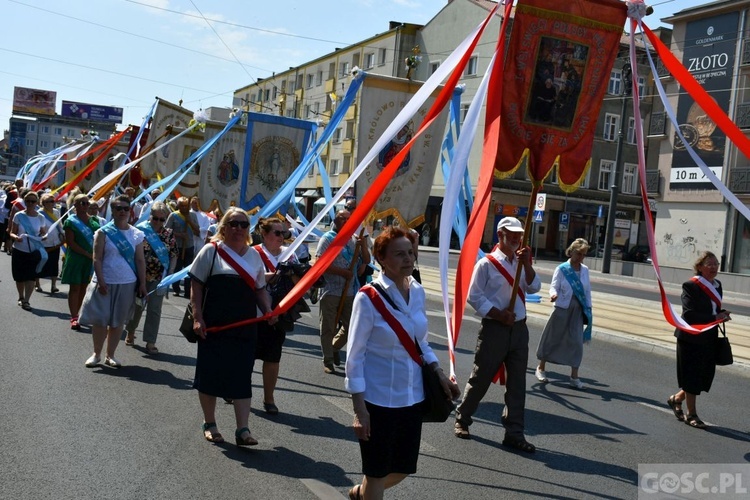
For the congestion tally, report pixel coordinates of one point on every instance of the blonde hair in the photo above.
(578, 245)
(219, 236)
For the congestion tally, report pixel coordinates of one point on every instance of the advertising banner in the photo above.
(407, 193)
(34, 101)
(92, 112)
(710, 46)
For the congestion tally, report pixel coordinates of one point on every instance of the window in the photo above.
(267, 95)
(71, 133)
(319, 78)
(611, 124)
(316, 108)
(464, 111)
(311, 172)
(641, 87)
(337, 135)
(434, 67)
(44, 144)
(605, 174)
(307, 111)
(30, 143)
(310, 80)
(31, 127)
(629, 176)
(369, 60)
(471, 68)
(333, 167)
(344, 68)
(584, 182)
(58, 130)
(382, 56)
(56, 144)
(290, 113)
(275, 93)
(347, 164)
(615, 82)
(349, 129)
(292, 86)
(331, 71)
(45, 129)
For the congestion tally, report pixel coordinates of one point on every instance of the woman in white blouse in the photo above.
(384, 381)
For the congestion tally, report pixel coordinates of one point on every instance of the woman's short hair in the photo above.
(386, 237)
(265, 224)
(78, 198)
(161, 207)
(47, 196)
(702, 258)
(30, 194)
(219, 236)
(578, 245)
(123, 198)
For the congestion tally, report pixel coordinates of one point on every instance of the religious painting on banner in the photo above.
(557, 69)
(275, 145)
(405, 198)
(709, 53)
(221, 167)
(169, 158)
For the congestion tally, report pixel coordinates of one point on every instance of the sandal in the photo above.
(54, 290)
(247, 441)
(519, 444)
(212, 436)
(461, 431)
(130, 340)
(695, 421)
(38, 288)
(271, 408)
(26, 306)
(354, 492)
(151, 349)
(74, 325)
(676, 408)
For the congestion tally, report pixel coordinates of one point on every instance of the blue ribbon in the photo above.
(575, 283)
(156, 244)
(26, 223)
(123, 245)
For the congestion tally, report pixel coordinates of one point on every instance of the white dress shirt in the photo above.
(490, 289)
(377, 364)
(563, 290)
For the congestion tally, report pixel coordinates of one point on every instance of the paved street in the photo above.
(72, 432)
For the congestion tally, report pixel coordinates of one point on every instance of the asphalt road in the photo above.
(134, 433)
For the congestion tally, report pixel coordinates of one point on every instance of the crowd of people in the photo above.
(112, 265)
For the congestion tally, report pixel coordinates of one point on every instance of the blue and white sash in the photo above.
(156, 244)
(51, 218)
(575, 283)
(122, 244)
(84, 229)
(34, 240)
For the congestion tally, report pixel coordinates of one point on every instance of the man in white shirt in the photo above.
(203, 222)
(503, 336)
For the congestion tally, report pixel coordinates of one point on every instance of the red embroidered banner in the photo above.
(558, 65)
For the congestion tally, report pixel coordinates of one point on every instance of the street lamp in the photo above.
(627, 82)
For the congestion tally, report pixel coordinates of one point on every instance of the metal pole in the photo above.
(615, 188)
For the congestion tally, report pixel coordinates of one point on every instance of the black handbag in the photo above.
(186, 327)
(723, 349)
(437, 406)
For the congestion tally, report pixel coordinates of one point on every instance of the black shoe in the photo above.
(329, 369)
(336, 358)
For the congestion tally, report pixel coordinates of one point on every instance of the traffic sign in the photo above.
(564, 218)
(541, 202)
(563, 227)
(538, 215)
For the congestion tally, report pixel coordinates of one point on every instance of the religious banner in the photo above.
(221, 168)
(272, 149)
(709, 53)
(558, 65)
(169, 158)
(407, 193)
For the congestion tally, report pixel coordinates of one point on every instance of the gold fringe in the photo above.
(399, 217)
(560, 16)
(569, 188)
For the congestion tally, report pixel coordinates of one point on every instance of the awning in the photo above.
(321, 202)
(299, 200)
(310, 193)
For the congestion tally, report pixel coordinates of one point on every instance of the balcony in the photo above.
(347, 146)
(653, 181)
(739, 180)
(743, 115)
(351, 113)
(330, 85)
(658, 125)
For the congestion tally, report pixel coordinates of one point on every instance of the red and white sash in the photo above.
(507, 276)
(710, 290)
(397, 327)
(270, 267)
(237, 263)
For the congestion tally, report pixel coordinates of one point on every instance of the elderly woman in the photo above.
(383, 379)
(569, 326)
(26, 231)
(280, 280)
(119, 274)
(79, 230)
(228, 284)
(696, 353)
(160, 252)
(52, 242)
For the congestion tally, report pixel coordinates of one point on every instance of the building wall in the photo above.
(683, 231)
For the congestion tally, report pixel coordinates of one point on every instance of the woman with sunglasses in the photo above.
(26, 233)
(119, 274)
(280, 280)
(51, 243)
(160, 252)
(79, 230)
(228, 285)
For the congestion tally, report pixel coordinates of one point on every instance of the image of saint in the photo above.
(228, 170)
(392, 149)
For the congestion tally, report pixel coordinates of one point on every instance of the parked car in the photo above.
(638, 253)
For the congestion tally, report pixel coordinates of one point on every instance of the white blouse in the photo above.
(564, 291)
(377, 364)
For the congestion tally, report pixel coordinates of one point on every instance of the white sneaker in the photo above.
(93, 361)
(576, 383)
(541, 376)
(112, 362)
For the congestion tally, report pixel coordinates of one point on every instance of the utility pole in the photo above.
(627, 82)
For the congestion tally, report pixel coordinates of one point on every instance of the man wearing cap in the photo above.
(503, 336)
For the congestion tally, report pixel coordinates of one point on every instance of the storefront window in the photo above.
(741, 263)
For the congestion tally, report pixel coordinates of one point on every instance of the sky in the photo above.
(124, 53)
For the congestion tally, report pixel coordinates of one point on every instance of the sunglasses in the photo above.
(121, 208)
(285, 234)
(48, 201)
(84, 203)
(32, 201)
(241, 223)
(160, 219)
